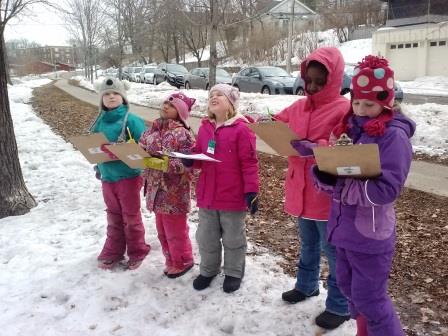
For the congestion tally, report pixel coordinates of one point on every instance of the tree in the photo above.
(15, 199)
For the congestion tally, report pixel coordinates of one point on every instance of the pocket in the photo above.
(375, 222)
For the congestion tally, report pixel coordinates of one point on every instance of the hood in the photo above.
(332, 59)
(177, 73)
(403, 122)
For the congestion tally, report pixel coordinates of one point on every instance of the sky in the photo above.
(39, 24)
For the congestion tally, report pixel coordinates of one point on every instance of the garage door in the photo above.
(437, 56)
(403, 58)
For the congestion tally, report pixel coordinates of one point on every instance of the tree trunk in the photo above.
(5, 55)
(213, 52)
(15, 198)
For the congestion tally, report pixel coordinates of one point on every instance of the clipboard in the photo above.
(130, 153)
(90, 146)
(349, 160)
(277, 135)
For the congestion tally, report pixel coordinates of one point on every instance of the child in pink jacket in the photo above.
(225, 189)
(313, 118)
(168, 183)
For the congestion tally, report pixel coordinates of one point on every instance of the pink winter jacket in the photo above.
(222, 185)
(313, 118)
(168, 193)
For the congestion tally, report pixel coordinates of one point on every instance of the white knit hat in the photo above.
(110, 84)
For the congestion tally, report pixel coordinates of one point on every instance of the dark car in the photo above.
(173, 73)
(198, 78)
(264, 79)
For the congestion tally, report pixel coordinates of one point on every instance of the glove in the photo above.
(303, 147)
(108, 152)
(251, 199)
(187, 163)
(324, 177)
(156, 163)
(97, 172)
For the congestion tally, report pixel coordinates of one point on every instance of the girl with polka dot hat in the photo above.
(362, 218)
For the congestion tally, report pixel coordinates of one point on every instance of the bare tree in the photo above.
(15, 199)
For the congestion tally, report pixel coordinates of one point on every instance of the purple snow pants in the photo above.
(173, 235)
(362, 278)
(124, 221)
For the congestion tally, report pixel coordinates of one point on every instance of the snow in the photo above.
(50, 285)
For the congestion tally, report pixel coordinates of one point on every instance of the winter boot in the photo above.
(231, 284)
(361, 325)
(202, 282)
(134, 264)
(330, 321)
(107, 264)
(295, 296)
(175, 272)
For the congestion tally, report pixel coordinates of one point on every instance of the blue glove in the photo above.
(251, 199)
(304, 147)
(187, 162)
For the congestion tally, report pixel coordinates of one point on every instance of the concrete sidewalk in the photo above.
(424, 176)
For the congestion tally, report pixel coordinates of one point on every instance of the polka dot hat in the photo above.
(374, 80)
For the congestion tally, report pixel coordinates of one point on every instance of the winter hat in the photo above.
(110, 84)
(231, 92)
(374, 80)
(182, 104)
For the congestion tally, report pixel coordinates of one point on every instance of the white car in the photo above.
(147, 74)
(134, 74)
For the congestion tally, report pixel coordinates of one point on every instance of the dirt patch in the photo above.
(419, 279)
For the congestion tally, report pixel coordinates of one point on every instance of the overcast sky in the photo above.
(41, 25)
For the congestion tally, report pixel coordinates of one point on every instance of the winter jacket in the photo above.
(168, 193)
(222, 185)
(110, 123)
(313, 118)
(362, 213)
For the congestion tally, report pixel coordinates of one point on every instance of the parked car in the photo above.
(125, 73)
(264, 79)
(172, 73)
(134, 74)
(299, 84)
(147, 74)
(197, 78)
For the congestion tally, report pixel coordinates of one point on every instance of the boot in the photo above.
(231, 284)
(330, 321)
(175, 272)
(295, 296)
(361, 325)
(202, 282)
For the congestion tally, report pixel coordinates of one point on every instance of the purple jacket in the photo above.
(222, 185)
(362, 216)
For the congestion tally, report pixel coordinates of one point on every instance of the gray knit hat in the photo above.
(110, 84)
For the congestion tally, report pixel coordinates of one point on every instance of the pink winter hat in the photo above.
(374, 80)
(231, 92)
(182, 103)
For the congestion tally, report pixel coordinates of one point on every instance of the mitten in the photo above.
(97, 172)
(324, 177)
(251, 199)
(108, 152)
(303, 147)
(156, 163)
(187, 162)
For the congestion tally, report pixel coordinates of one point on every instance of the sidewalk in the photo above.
(428, 177)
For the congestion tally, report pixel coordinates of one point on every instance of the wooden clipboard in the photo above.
(90, 146)
(349, 160)
(277, 135)
(131, 154)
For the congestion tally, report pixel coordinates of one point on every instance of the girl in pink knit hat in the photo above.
(167, 184)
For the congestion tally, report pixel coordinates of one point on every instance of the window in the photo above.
(393, 46)
(400, 46)
(433, 44)
(407, 45)
(442, 43)
(414, 45)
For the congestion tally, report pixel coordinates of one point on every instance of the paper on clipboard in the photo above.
(90, 146)
(130, 153)
(352, 160)
(277, 135)
(201, 157)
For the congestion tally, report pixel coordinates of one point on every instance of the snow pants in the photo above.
(172, 230)
(125, 228)
(229, 226)
(362, 278)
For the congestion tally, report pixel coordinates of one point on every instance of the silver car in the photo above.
(198, 78)
(264, 79)
(147, 74)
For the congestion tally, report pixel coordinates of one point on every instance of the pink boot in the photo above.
(361, 325)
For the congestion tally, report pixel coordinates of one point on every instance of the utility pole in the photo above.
(290, 30)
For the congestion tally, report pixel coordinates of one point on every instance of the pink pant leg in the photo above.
(115, 244)
(179, 243)
(162, 238)
(129, 197)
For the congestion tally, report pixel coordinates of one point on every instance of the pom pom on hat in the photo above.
(182, 103)
(373, 79)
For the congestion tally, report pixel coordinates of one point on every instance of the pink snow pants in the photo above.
(173, 235)
(124, 221)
